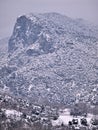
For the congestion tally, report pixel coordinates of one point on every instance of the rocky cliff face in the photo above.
(43, 31)
(53, 59)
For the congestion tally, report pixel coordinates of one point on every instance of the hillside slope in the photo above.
(52, 59)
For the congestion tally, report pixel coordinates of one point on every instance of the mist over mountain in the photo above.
(51, 59)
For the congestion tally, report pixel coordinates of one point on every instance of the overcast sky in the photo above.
(11, 9)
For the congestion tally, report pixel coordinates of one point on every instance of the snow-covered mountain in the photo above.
(52, 59)
(45, 31)
(3, 51)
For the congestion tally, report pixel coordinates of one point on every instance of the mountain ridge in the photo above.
(52, 59)
(42, 22)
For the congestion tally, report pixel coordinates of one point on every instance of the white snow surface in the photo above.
(65, 117)
(12, 114)
(30, 87)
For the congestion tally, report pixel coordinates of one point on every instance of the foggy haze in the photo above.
(11, 9)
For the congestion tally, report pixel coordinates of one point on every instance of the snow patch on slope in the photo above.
(13, 114)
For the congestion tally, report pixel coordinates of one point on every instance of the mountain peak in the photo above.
(52, 58)
(30, 28)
